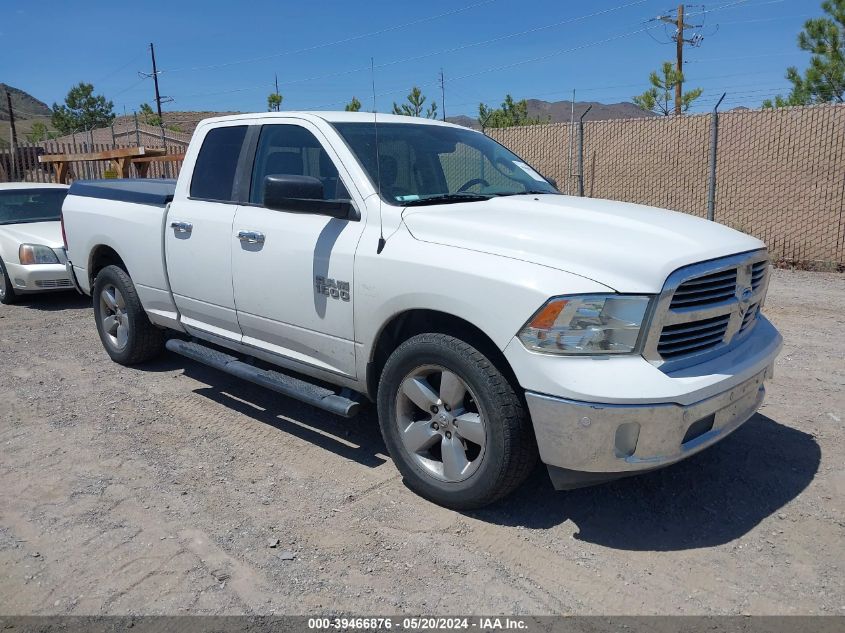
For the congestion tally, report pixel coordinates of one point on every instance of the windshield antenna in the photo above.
(381, 240)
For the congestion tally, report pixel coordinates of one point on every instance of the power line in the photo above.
(346, 40)
(515, 64)
(127, 64)
(414, 58)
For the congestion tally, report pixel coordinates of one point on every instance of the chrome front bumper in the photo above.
(595, 442)
(38, 278)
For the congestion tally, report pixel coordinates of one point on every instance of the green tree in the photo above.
(39, 132)
(83, 110)
(274, 102)
(824, 80)
(414, 107)
(148, 116)
(354, 105)
(660, 98)
(510, 114)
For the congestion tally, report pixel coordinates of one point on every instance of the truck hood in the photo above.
(46, 233)
(628, 247)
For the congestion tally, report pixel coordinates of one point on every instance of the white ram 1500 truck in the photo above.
(423, 266)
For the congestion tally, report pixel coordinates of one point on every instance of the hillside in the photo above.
(183, 121)
(24, 104)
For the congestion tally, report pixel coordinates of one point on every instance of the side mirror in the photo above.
(301, 194)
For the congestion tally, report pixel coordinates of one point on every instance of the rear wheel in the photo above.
(454, 425)
(7, 292)
(123, 326)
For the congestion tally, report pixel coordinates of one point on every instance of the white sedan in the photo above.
(32, 257)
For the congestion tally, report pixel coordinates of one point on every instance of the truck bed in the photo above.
(126, 217)
(154, 191)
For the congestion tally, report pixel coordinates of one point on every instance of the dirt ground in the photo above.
(160, 490)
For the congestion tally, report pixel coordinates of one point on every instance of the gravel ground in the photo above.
(173, 489)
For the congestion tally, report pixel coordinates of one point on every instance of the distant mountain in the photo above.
(561, 111)
(464, 120)
(24, 104)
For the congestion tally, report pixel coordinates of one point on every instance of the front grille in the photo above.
(708, 289)
(750, 317)
(53, 283)
(705, 308)
(759, 270)
(686, 338)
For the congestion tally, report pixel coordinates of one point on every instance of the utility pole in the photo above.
(443, 93)
(678, 22)
(679, 41)
(14, 132)
(155, 82)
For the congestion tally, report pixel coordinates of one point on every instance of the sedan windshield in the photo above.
(20, 206)
(420, 163)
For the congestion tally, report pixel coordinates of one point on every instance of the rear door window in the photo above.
(217, 164)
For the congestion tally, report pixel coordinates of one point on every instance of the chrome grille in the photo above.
(53, 283)
(685, 338)
(705, 290)
(705, 308)
(749, 317)
(759, 272)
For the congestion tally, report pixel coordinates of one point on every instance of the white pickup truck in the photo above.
(423, 266)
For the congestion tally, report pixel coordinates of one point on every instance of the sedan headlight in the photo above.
(36, 254)
(587, 324)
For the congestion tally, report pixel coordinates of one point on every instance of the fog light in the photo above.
(626, 438)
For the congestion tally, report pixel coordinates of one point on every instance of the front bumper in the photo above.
(612, 439)
(38, 278)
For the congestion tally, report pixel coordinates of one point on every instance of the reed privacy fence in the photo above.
(779, 174)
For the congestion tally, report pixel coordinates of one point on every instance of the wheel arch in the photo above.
(101, 256)
(402, 326)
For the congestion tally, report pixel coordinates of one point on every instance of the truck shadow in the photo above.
(358, 439)
(710, 499)
(54, 301)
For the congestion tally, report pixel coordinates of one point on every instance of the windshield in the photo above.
(422, 162)
(18, 206)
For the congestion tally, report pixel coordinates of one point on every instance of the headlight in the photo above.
(587, 324)
(36, 254)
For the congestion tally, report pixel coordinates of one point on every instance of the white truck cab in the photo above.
(425, 267)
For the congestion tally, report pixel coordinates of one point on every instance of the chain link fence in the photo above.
(779, 174)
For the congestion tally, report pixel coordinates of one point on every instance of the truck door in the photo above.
(292, 272)
(198, 236)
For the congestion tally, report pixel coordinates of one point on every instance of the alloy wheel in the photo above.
(114, 318)
(440, 423)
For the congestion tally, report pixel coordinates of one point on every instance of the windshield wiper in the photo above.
(446, 198)
(530, 192)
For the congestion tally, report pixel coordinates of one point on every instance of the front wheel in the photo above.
(7, 291)
(453, 424)
(123, 326)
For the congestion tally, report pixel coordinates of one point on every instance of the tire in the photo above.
(488, 423)
(7, 291)
(123, 326)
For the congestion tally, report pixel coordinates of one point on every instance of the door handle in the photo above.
(251, 237)
(182, 227)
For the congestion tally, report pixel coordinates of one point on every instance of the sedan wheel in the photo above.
(440, 424)
(7, 293)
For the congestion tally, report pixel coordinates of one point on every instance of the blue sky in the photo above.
(223, 56)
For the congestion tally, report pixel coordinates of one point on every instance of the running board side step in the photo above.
(280, 383)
